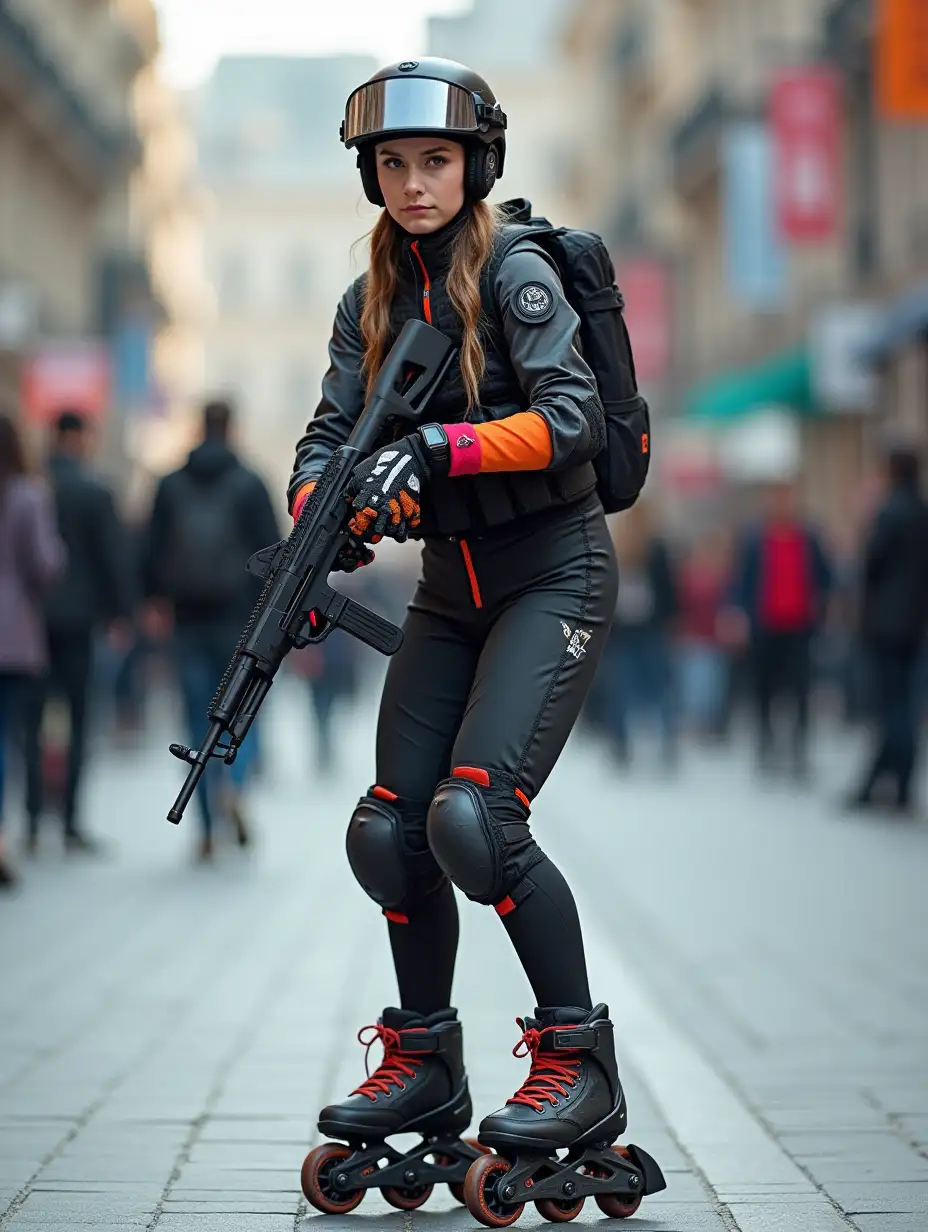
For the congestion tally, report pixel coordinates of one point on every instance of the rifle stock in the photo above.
(297, 606)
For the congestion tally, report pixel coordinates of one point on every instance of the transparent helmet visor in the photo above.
(408, 103)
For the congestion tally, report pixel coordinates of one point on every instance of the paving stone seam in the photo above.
(721, 1209)
(737, 1090)
(169, 1019)
(831, 999)
(650, 1013)
(658, 940)
(83, 1120)
(345, 1013)
(272, 989)
(155, 955)
(894, 1121)
(108, 997)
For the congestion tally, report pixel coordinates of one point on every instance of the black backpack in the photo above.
(588, 276)
(207, 550)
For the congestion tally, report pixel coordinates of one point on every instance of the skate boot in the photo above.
(571, 1100)
(419, 1087)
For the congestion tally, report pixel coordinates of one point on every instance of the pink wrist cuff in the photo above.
(465, 449)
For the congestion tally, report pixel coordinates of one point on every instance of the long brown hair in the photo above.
(472, 248)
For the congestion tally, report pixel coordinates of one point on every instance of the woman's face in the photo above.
(422, 181)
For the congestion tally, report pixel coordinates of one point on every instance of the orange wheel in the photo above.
(317, 1176)
(480, 1192)
(457, 1187)
(615, 1205)
(557, 1211)
(407, 1199)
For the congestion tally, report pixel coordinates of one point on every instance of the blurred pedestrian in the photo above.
(893, 621)
(639, 675)
(331, 671)
(780, 589)
(31, 557)
(127, 683)
(95, 592)
(704, 579)
(208, 518)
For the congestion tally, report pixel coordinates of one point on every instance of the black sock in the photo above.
(424, 951)
(545, 930)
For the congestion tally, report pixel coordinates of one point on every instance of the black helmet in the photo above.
(417, 97)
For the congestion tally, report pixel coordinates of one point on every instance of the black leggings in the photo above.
(503, 636)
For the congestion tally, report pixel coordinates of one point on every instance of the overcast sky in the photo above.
(196, 32)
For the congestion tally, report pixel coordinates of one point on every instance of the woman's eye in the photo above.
(438, 160)
(392, 163)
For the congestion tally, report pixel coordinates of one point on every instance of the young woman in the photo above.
(505, 629)
(31, 558)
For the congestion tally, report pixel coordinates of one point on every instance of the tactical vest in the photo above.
(470, 504)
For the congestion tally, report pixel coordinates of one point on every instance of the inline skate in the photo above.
(419, 1087)
(571, 1102)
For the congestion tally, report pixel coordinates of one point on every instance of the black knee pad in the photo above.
(478, 831)
(388, 852)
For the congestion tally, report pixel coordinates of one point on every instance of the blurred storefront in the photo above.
(68, 147)
(773, 159)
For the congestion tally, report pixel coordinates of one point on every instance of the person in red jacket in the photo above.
(782, 580)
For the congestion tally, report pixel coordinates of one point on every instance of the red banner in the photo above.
(644, 286)
(806, 127)
(59, 376)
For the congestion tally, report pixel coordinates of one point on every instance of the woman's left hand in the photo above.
(386, 490)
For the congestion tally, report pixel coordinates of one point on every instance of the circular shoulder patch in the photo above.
(534, 303)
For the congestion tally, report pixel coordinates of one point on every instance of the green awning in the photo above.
(781, 381)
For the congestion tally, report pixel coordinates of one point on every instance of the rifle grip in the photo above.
(368, 627)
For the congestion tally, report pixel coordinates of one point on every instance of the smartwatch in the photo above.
(435, 440)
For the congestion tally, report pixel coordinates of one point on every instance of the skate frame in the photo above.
(533, 1178)
(364, 1168)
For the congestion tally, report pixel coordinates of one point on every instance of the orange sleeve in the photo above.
(300, 499)
(521, 442)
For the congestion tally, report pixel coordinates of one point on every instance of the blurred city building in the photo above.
(76, 303)
(171, 206)
(518, 51)
(760, 172)
(284, 209)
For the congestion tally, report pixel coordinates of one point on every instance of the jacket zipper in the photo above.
(426, 303)
(465, 548)
(471, 573)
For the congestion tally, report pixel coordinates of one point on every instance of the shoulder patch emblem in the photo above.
(534, 303)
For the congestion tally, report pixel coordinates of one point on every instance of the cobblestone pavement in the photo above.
(168, 1032)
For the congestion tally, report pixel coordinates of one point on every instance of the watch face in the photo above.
(433, 437)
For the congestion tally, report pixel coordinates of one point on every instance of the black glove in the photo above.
(386, 489)
(352, 555)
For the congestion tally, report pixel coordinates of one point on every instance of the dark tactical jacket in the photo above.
(535, 365)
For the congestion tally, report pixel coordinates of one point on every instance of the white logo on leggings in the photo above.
(576, 640)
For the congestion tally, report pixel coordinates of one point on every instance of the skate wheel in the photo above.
(559, 1212)
(407, 1199)
(457, 1187)
(480, 1193)
(317, 1180)
(615, 1205)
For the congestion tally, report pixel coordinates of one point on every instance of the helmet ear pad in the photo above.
(367, 165)
(481, 169)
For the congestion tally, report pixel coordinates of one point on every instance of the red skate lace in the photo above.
(392, 1068)
(548, 1077)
